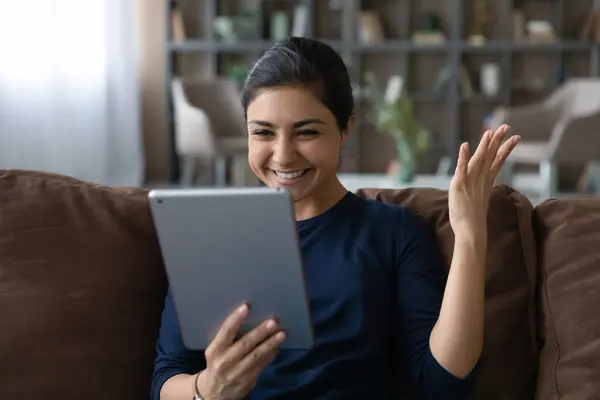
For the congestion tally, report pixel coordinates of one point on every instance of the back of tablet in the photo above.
(225, 246)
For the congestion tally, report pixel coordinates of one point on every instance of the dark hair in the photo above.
(308, 62)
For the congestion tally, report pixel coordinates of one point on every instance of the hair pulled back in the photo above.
(307, 62)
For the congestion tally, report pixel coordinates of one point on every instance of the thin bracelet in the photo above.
(197, 396)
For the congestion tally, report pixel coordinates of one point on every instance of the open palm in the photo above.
(474, 179)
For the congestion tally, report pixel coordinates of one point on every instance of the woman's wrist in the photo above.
(475, 236)
(200, 386)
(471, 245)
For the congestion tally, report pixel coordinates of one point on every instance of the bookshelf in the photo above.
(525, 71)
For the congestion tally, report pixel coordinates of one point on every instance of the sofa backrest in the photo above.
(507, 369)
(81, 289)
(568, 236)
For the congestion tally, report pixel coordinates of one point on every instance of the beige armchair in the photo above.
(209, 126)
(564, 128)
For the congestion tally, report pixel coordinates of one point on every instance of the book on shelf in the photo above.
(177, 26)
(591, 28)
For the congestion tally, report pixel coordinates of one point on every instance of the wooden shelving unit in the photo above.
(452, 116)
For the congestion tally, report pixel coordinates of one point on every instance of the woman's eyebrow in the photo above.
(299, 124)
(296, 124)
(261, 123)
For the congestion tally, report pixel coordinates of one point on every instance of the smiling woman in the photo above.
(377, 288)
(298, 120)
(295, 143)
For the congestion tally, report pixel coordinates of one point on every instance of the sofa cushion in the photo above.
(81, 289)
(568, 234)
(507, 369)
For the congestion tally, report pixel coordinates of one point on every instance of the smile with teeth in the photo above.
(291, 175)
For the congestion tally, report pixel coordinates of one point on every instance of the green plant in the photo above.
(395, 117)
(237, 73)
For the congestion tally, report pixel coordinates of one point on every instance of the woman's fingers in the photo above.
(495, 144)
(488, 152)
(503, 153)
(249, 342)
(228, 330)
(488, 158)
(258, 358)
(462, 163)
(481, 151)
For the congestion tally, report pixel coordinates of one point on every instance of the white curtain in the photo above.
(69, 90)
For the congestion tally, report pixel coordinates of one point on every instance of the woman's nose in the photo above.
(284, 152)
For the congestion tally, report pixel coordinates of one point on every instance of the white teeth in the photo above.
(291, 175)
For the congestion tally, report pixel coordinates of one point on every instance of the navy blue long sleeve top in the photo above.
(375, 281)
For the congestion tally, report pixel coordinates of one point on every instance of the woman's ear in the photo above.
(349, 128)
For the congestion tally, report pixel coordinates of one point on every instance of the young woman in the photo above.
(380, 299)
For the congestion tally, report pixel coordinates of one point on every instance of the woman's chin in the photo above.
(298, 187)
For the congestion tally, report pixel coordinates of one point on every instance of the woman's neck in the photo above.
(325, 197)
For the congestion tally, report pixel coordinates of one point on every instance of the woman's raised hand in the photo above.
(474, 179)
(233, 365)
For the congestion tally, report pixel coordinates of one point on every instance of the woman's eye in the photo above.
(308, 132)
(261, 132)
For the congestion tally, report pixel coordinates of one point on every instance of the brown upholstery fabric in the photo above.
(81, 289)
(508, 366)
(569, 250)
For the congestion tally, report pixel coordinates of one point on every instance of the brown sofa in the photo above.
(82, 286)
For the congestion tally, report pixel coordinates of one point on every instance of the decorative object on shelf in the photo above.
(370, 29)
(230, 29)
(392, 114)
(430, 29)
(490, 79)
(177, 25)
(478, 38)
(299, 25)
(591, 28)
(442, 82)
(224, 29)
(540, 31)
(466, 84)
(280, 26)
(518, 25)
(335, 16)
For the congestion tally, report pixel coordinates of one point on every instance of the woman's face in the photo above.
(294, 141)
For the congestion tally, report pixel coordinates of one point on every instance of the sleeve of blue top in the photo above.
(172, 358)
(420, 282)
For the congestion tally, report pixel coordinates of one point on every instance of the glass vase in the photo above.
(407, 164)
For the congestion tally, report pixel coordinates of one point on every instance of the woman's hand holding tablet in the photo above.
(234, 365)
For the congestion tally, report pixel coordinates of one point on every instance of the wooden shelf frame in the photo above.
(402, 53)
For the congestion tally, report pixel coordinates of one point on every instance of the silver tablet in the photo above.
(225, 246)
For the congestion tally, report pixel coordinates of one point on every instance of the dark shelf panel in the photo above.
(195, 46)
(501, 45)
(213, 46)
(398, 46)
(390, 46)
(252, 46)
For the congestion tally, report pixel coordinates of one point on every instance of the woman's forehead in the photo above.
(287, 105)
